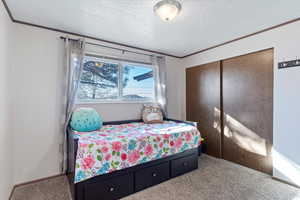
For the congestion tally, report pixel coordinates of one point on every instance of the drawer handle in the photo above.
(111, 189)
(154, 174)
(185, 164)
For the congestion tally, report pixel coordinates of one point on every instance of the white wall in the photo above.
(38, 82)
(6, 149)
(37, 74)
(286, 133)
(175, 78)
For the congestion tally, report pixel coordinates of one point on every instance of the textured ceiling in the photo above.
(201, 24)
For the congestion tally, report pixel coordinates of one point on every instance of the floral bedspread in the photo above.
(116, 147)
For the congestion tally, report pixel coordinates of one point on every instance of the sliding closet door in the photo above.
(203, 103)
(248, 110)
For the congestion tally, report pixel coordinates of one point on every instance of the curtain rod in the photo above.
(115, 48)
(115, 58)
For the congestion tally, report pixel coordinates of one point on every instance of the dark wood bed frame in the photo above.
(127, 181)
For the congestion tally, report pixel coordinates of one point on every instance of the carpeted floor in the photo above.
(214, 180)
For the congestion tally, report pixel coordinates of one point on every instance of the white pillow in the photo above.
(152, 114)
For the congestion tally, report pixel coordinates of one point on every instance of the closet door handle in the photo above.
(154, 174)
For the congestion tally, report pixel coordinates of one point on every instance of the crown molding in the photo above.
(243, 37)
(81, 35)
(143, 49)
(7, 9)
(94, 38)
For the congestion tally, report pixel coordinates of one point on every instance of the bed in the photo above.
(128, 156)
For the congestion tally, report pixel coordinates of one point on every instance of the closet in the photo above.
(203, 103)
(232, 100)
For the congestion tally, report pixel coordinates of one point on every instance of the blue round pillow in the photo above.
(85, 120)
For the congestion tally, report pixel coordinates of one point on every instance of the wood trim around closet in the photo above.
(221, 109)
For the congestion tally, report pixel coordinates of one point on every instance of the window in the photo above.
(105, 80)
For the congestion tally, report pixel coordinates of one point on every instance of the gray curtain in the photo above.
(74, 55)
(161, 82)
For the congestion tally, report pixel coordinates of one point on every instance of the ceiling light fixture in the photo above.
(167, 9)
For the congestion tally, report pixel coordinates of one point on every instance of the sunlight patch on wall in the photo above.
(217, 116)
(244, 137)
(286, 167)
(240, 134)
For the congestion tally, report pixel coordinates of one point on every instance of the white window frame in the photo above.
(120, 99)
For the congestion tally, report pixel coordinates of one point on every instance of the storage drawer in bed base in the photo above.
(124, 182)
(151, 176)
(183, 165)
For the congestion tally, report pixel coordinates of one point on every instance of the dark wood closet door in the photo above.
(248, 110)
(203, 103)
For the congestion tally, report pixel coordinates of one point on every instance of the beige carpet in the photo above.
(214, 180)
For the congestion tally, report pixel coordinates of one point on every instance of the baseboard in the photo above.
(286, 182)
(31, 182)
